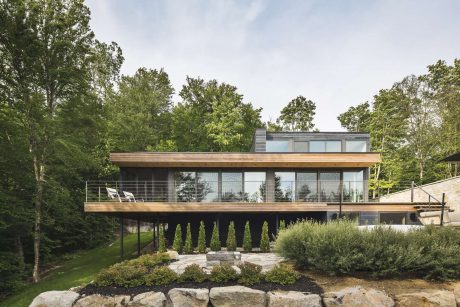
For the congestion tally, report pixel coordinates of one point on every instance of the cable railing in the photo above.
(225, 191)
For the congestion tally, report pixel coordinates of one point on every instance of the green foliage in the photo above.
(250, 274)
(188, 245)
(282, 274)
(149, 260)
(356, 119)
(12, 273)
(161, 241)
(177, 243)
(193, 273)
(223, 273)
(160, 276)
(202, 238)
(265, 240)
(282, 225)
(231, 237)
(247, 241)
(215, 240)
(340, 247)
(297, 115)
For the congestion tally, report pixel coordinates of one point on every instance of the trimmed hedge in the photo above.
(340, 247)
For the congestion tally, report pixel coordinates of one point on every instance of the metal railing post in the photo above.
(412, 192)
(443, 204)
(99, 194)
(86, 190)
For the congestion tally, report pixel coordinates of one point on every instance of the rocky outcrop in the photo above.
(426, 299)
(55, 299)
(148, 299)
(292, 299)
(182, 297)
(357, 296)
(97, 300)
(457, 295)
(237, 296)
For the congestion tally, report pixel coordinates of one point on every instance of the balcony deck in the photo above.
(235, 207)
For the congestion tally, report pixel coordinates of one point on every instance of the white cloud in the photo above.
(337, 53)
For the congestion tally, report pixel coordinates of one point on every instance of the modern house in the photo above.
(286, 176)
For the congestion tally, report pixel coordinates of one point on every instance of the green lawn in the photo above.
(81, 269)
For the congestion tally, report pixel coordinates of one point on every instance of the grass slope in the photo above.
(81, 269)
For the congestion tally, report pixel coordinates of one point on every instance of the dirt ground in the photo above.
(390, 286)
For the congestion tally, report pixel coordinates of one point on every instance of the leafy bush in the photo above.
(160, 276)
(202, 238)
(250, 274)
(177, 243)
(150, 260)
(340, 247)
(282, 274)
(282, 225)
(215, 241)
(193, 273)
(122, 275)
(247, 241)
(223, 273)
(161, 241)
(264, 240)
(231, 237)
(188, 245)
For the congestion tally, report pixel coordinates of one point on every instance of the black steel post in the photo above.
(138, 237)
(412, 185)
(154, 239)
(121, 235)
(277, 223)
(158, 233)
(340, 199)
(443, 204)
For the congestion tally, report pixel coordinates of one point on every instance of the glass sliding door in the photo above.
(185, 186)
(329, 183)
(232, 186)
(284, 186)
(307, 186)
(207, 186)
(254, 187)
(353, 186)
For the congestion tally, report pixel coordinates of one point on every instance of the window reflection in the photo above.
(355, 146)
(353, 187)
(207, 186)
(232, 186)
(185, 185)
(277, 146)
(254, 187)
(307, 186)
(284, 186)
(329, 186)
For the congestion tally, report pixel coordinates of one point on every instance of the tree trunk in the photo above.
(20, 250)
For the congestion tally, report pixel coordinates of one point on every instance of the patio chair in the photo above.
(130, 197)
(113, 194)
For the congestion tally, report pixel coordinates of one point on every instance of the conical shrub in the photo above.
(282, 225)
(177, 243)
(202, 238)
(247, 241)
(231, 237)
(265, 239)
(215, 241)
(161, 241)
(188, 245)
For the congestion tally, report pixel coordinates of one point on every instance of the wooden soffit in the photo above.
(246, 159)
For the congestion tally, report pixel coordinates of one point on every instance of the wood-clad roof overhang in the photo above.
(244, 159)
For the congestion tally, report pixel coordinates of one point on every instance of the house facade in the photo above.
(285, 176)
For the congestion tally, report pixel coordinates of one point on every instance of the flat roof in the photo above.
(245, 159)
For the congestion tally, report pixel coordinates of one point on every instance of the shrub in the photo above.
(202, 238)
(193, 273)
(250, 274)
(177, 243)
(247, 241)
(122, 275)
(160, 276)
(161, 241)
(215, 241)
(265, 240)
(231, 237)
(223, 273)
(340, 247)
(282, 225)
(149, 261)
(282, 274)
(188, 245)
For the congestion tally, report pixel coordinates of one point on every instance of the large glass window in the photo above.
(284, 186)
(307, 186)
(325, 146)
(232, 186)
(185, 184)
(301, 146)
(355, 146)
(277, 146)
(254, 187)
(207, 186)
(329, 186)
(353, 187)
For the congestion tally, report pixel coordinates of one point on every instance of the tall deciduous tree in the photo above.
(298, 115)
(356, 119)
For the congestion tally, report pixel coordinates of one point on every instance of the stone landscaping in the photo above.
(239, 296)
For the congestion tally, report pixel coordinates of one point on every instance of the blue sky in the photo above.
(336, 53)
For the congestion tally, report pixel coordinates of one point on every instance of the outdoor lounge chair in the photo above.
(130, 197)
(113, 194)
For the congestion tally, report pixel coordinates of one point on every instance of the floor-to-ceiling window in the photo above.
(207, 186)
(353, 186)
(329, 183)
(307, 186)
(185, 186)
(285, 186)
(254, 187)
(232, 186)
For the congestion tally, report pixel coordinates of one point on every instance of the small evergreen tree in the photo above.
(231, 238)
(202, 238)
(215, 241)
(161, 241)
(177, 243)
(247, 241)
(188, 245)
(282, 225)
(265, 239)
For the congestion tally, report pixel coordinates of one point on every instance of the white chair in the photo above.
(113, 194)
(129, 196)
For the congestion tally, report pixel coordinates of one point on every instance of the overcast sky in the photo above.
(336, 53)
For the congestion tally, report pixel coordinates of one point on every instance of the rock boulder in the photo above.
(148, 299)
(292, 299)
(357, 297)
(97, 300)
(237, 296)
(55, 299)
(182, 297)
(426, 299)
